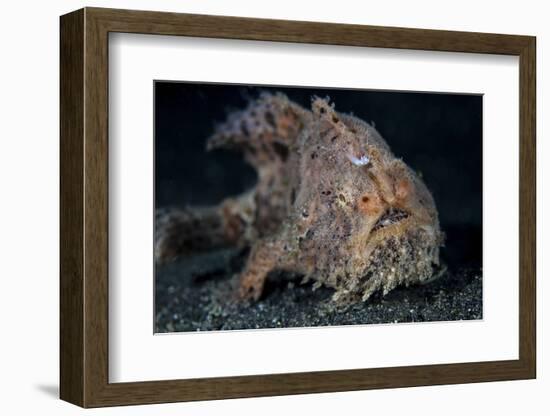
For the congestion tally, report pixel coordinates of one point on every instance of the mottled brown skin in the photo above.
(332, 203)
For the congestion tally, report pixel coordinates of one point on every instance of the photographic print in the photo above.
(338, 187)
(284, 207)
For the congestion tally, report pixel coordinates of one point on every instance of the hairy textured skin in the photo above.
(332, 203)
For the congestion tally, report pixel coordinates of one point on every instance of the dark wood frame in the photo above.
(84, 213)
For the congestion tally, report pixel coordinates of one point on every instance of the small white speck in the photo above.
(361, 161)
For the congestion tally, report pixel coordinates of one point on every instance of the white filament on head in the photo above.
(361, 161)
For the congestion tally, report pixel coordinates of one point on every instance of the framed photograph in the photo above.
(255, 207)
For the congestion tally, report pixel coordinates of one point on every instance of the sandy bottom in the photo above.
(197, 294)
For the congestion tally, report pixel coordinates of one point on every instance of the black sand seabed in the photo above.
(197, 294)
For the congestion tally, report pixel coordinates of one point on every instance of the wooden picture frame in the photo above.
(84, 207)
